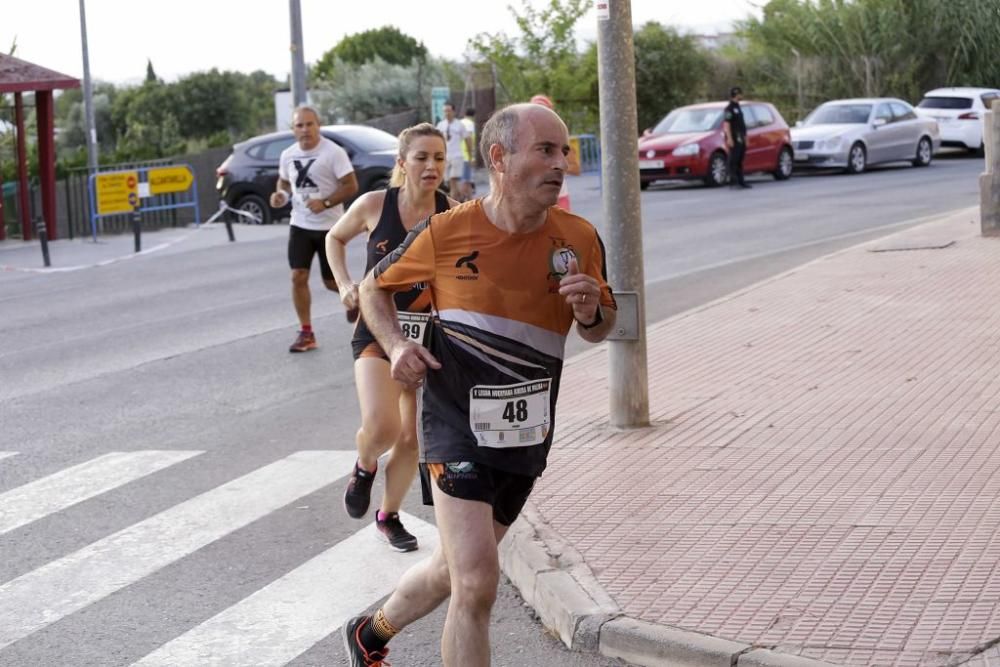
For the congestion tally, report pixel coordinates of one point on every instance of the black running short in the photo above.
(303, 244)
(506, 492)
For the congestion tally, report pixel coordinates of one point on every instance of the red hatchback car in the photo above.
(690, 143)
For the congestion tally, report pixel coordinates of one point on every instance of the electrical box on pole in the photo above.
(628, 373)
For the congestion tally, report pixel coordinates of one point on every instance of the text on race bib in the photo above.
(414, 325)
(512, 415)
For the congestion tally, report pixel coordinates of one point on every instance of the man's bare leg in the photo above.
(301, 297)
(466, 566)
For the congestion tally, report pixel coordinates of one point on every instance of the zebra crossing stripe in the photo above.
(287, 617)
(59, 588)
(68, 487)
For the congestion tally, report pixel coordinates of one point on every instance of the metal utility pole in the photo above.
(629, 381)
(88, 99)
(298, 59)
(798, 83)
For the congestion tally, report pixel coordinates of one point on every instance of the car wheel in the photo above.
(644, 185)
(785, 165)
(718, 170)
(924, 153)
(254, 205)
(857, 159)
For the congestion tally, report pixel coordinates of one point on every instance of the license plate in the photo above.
(650, 164)
(801, 157)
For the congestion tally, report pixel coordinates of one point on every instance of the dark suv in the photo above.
(250, 173)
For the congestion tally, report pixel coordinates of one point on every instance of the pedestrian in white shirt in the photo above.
(318, 176)
(455, 134)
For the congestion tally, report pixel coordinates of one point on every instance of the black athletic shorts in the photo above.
(506, 492)
(303, 244)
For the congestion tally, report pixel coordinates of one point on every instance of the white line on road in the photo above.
(287, 617)
(42, 497)
(61, 587)
(4, 455)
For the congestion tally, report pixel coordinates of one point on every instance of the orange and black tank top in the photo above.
(389, 233)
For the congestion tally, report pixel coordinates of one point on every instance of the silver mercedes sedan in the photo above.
(852, 134)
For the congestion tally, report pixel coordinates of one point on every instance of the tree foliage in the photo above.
(852, 48)
(375, 88)
(387, 44)
(671, 70)
(543, 58)
(158, 119)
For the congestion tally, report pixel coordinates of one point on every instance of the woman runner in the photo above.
(388, 410)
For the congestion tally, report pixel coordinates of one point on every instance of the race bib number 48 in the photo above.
(414, 325)
(511, 415)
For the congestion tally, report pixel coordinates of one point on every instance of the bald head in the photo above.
(505, 127)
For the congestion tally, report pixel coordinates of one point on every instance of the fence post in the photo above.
(137, 230)
(43, 238)
(989, 182)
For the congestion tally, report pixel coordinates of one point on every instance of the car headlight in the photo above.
(830, 144)
(687, 149)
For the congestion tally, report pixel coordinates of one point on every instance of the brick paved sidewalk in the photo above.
(822, 477)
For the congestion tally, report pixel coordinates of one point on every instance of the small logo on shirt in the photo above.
(468, 262)
(382, 246)
(559, 262)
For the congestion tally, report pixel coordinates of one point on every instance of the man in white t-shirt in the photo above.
(318, 176)
(455, 134)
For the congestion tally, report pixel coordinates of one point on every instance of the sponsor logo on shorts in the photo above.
(462, 469)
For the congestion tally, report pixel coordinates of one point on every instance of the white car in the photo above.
(959, 113)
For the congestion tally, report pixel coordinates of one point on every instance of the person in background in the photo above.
(735, 128)
(318, 176)
(455, 134)
(469, 155)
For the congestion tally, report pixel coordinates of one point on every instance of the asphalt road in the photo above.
(106, 558)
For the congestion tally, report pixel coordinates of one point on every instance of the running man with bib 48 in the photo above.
(508, 276)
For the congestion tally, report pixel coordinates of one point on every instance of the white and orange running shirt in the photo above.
(499, 330)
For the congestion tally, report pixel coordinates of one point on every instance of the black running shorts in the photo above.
(303, 244)
(506, 492)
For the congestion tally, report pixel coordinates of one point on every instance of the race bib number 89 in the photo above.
(414, 325)
(511, 415)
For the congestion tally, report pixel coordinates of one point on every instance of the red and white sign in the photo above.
(603, 9)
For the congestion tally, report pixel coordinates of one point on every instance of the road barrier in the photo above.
(588, 147)
(136, 191)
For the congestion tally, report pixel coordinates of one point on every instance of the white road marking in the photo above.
(287, 617)
(42, 497)
(62, 587)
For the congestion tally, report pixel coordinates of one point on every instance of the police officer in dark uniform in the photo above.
(736, 138)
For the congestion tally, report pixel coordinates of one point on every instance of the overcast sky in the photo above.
(185, 36)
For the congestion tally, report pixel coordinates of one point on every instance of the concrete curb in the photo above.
(555, 581)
